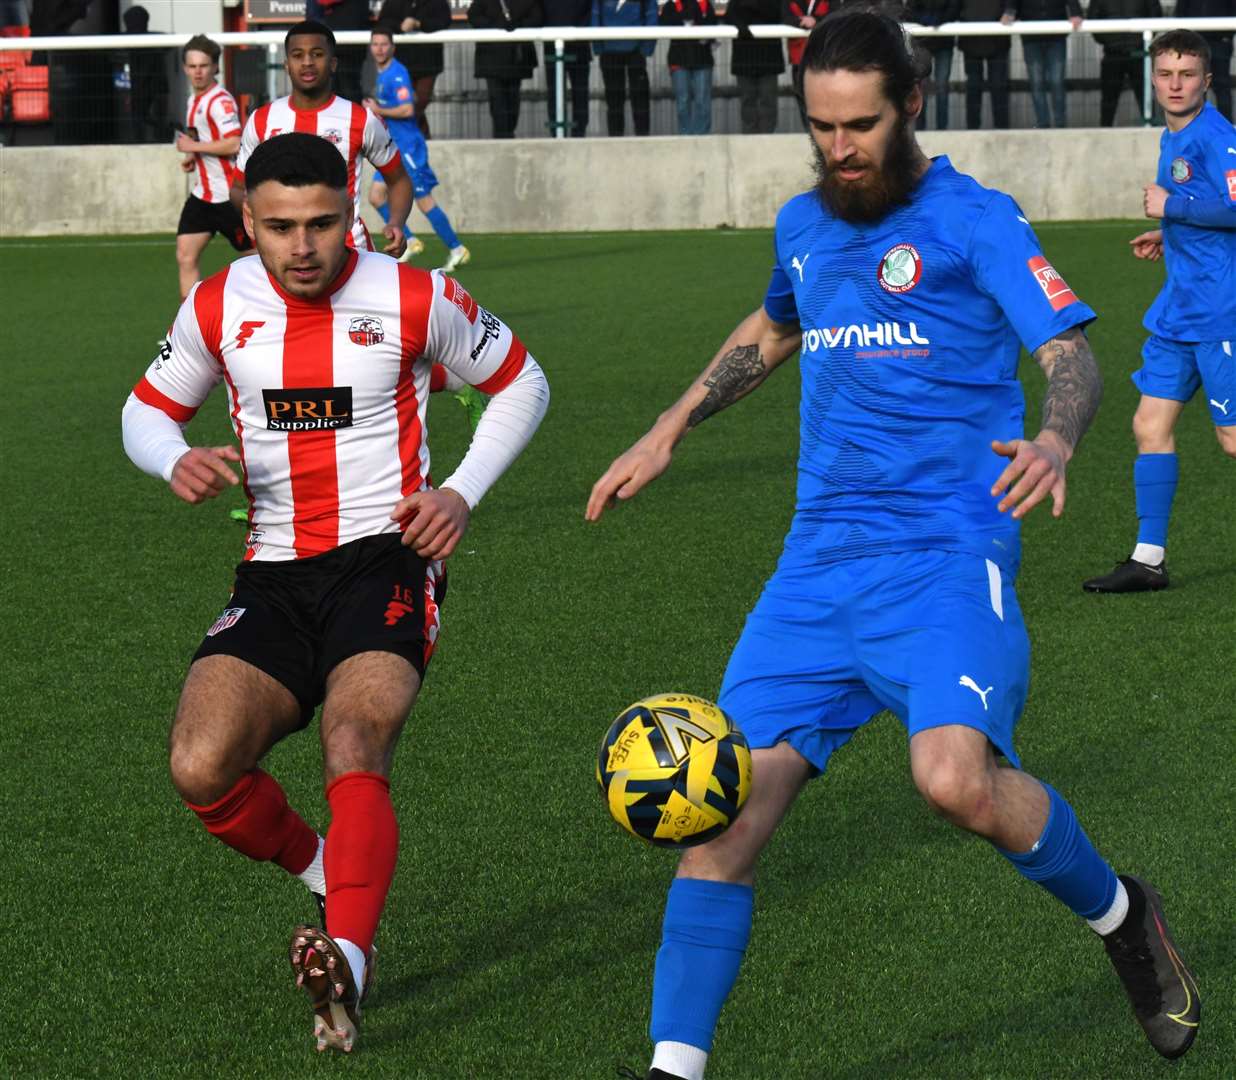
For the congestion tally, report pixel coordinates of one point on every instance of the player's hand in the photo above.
(807, 22)
(1035, 470)
(1154, 199)
(1008, 18)
(187, 163)
(1075, 21)
(371, 105)
(433, 522)
(1149, 245)
(396, 242)
(202, 473)
(185, 145)
(635, 469)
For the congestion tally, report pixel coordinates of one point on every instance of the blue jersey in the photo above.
(1197, 167)
(394, 88)
(912, 328)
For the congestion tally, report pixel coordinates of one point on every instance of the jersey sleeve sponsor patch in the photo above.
(1054, 287)
(1230, 177)
(403, 94)
(461, 298)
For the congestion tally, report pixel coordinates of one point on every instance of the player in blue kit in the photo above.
(393, 102)
(908, 289)
(1192, 321)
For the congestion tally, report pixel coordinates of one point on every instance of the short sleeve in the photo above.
(377, 144)
(1009, 266)
(468, 340)
(179, 379)
(223, 113)
(779, 301)
(248, 143)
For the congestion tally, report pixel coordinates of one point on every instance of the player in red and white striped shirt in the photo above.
(351, 128)
(209, 141)
(325, 353)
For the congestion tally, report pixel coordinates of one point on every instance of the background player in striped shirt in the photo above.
(393, 101)
(326, 354)
(209, 141)
(1192, 322)
(312, 108)
(908, 291)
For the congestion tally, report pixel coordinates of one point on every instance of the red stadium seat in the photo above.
(30, 103)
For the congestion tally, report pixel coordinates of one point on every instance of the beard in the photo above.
(882, 189)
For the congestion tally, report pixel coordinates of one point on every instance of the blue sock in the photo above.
(384, 210)
(703, 938)
(1065, 863)
(1154, 483)
(442, 226)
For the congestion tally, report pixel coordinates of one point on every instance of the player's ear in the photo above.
(334, 64)
(914, 103)
(246, 215)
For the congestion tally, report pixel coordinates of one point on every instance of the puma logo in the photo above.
(1221, 406)
(970, 684)
(799, 265)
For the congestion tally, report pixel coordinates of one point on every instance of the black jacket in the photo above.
(983, 48)
(753, 56)
(1210, 9)
(933, 13)
(433, 15)
(499, 61)
(1123, 9)
(689, 54)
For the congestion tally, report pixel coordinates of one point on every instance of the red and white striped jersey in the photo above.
(209, 117)
(327, 396)
(352, 128)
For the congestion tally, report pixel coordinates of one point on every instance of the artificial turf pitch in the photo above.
(522, 925)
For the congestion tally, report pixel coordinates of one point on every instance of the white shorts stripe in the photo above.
(995, 589)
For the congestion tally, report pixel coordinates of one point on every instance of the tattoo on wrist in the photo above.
(1074, 385)
(736, 373)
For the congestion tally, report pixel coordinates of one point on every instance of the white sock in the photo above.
(1150, 554)
(1115, 914)
(356, 960)
(680, 1059)
(314, 875)
(457, 249)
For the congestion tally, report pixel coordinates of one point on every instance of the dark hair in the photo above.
(297, 159)
(383, 28)
(867, 40)
(1183, 42)
(200, 43)
(310, 28)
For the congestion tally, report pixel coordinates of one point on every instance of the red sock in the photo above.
(255, 819)
(361, 847)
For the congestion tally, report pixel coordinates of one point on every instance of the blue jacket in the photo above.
(624, 13)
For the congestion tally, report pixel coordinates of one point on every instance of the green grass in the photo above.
(522, 925)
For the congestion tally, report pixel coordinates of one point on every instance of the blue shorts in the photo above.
(1175, 369)
(934, 636)
(417, 167)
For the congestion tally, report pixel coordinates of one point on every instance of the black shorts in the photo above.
(199, 216)
(297, 620)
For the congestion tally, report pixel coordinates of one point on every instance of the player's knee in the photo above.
(1152, 435)
(959, 794)
(199, 776)
(361, 743)
(730, 858)
(377, 196)
(1227, 440)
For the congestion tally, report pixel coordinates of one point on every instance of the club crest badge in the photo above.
(333, 135)
(1182, 171)
(366, 330)
(900, 269)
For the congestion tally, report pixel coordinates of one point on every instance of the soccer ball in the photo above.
(674, 770)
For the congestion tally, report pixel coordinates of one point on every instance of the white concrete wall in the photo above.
(596, 184)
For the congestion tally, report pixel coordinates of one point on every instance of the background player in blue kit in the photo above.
(1192, 321)
(393, 101)
(909, 290)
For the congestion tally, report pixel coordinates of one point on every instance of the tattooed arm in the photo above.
(749, 354)
(1074, 389)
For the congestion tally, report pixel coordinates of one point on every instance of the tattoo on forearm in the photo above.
(736, 373)
(1074, 385)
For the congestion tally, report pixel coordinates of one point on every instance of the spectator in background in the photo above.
(147, 83)
(1220, 47)
(1123, 54)
(424, 62)
(502, 66)
(690, 64)
(756, 64)
(576, 63)
(1044, 55)
(14, 13)
(625, 63)
(344, 15)
(803, 14)
(940, 49)
(990, 53)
